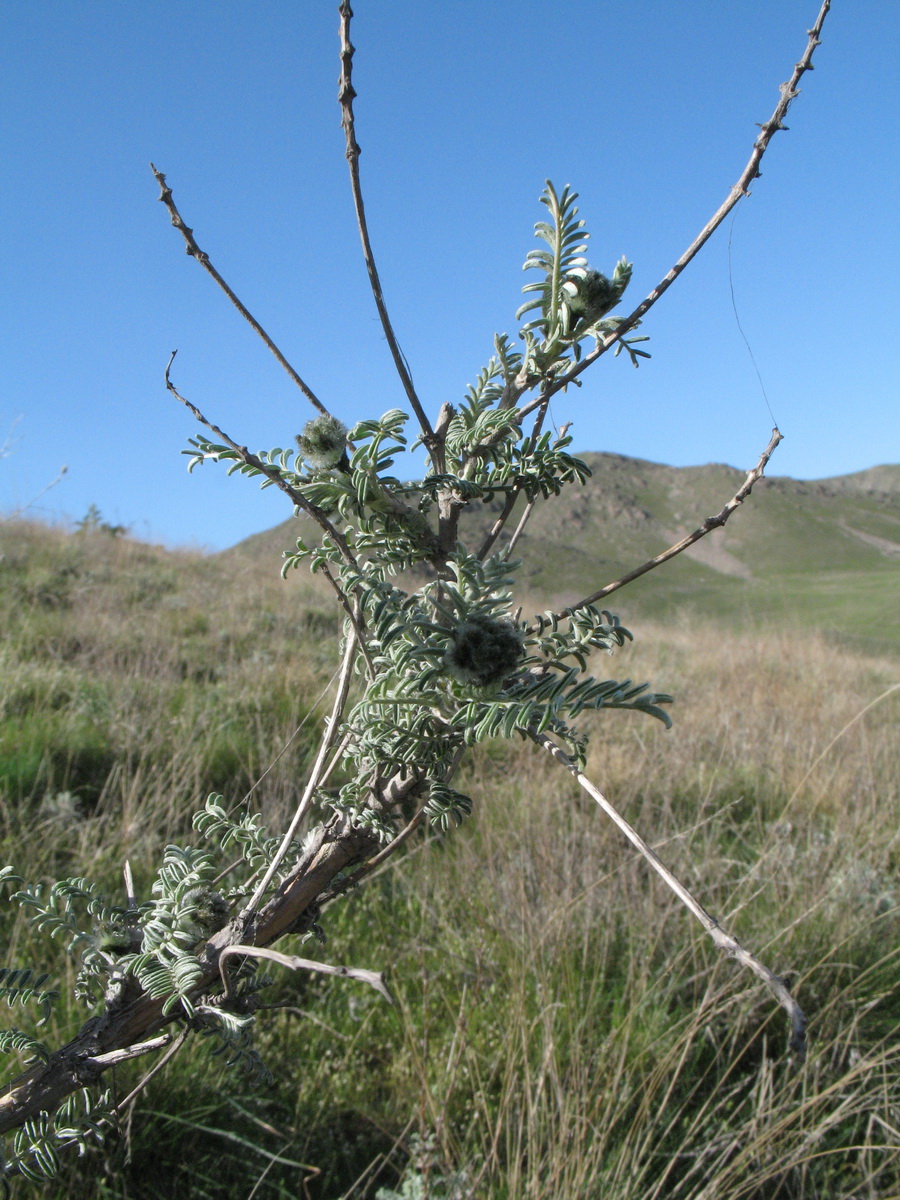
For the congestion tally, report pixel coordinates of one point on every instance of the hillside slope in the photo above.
(824, 553)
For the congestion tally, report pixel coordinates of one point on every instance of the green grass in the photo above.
(562, 1029)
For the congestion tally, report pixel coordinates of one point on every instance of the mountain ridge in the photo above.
(824, 551)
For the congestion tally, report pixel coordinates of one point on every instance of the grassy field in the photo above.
(562, 1028)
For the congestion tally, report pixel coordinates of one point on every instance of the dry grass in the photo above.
(567, 1032)
(563, 1030)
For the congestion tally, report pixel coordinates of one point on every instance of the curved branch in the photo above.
(346, 96)
(724, 941)
(708, 526)
(374, 979)
(165, 197)
(789, 91)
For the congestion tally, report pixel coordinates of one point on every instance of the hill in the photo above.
(822, 553)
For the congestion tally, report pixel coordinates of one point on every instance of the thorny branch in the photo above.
(252, 460)
(788, 91)
(708, 526)
(300, 501)
(165, 197)
(346, 96)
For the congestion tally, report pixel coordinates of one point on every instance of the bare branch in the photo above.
(708, 526)
(165, 197)
(723, 941)
(788, 92)
(346, 96)
(101, 1062)
(154, 1070)
(375, 979)
(520, 528)
(498, 526)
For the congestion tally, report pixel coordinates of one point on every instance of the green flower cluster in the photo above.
(591, 294)
(485, 650)
(323, 443)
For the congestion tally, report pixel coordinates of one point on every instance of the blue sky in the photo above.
(648, 109)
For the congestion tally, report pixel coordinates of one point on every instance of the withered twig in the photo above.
(346, 96)
(173, 1049)
(723, 941)
(375, 979)
(165, 196)
(102, 1062)
(708, 526)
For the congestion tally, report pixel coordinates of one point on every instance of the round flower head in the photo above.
(323, 442)
(594, 296)
(115, 937)
(207, 911)
(484, 651)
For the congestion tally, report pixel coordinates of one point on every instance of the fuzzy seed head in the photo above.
(484, 651)
(323, 442)
(594, 296)
(117, 938)
(209, 911)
